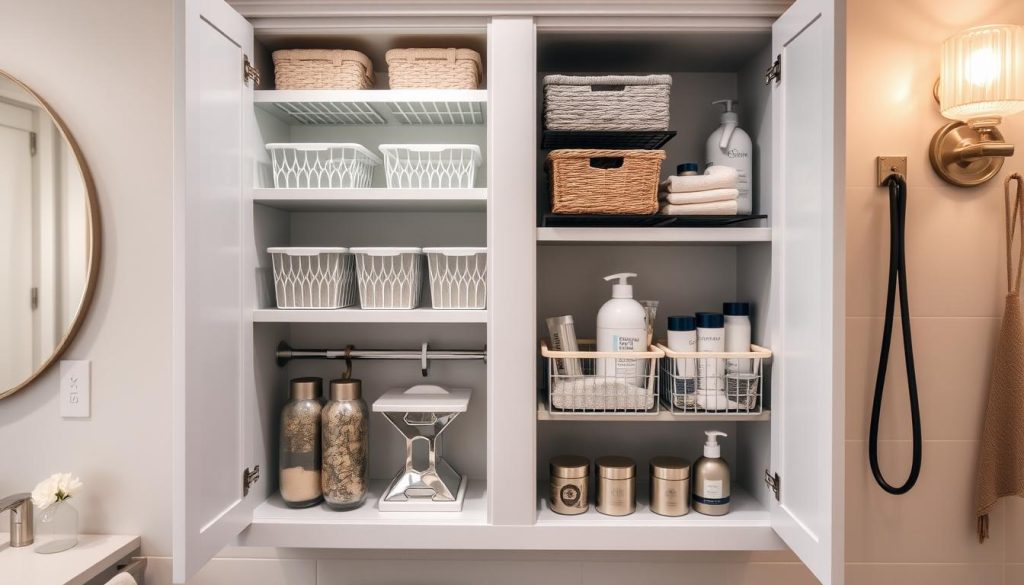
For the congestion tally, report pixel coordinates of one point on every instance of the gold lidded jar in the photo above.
(300, 444)
(570, 479)
(616, 485)
(346, 429)
(670, 486)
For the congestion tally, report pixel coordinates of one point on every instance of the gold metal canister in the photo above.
(570, 476)
(616, 485)
(670, 486)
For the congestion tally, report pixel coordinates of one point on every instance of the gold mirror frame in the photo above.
(93, 264)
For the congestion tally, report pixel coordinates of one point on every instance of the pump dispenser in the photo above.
(711, 478)
(730, 146)
(621, 326)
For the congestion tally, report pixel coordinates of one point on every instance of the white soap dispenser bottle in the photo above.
(621, 326)
(730, 146)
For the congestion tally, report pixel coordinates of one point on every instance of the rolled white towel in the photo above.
(122, 579)
(712, 208)
(715, 177)
(701, 196)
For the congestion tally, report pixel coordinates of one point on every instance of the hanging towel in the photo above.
(1001, 460)
(700, 196)
(715, 177)
(712, 208)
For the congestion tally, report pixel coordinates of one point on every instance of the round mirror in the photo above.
(49, 236)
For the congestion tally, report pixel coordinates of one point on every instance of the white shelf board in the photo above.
(719, 235)
(373, 199)
(356, 315)
(663, 415)
(746, 527)
(94, 554)
(377, 107)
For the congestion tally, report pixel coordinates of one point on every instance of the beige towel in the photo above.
(712, 208)
(700, 196)
(715, 177)
(1001, 460)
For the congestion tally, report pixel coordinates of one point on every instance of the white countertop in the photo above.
(93, 554)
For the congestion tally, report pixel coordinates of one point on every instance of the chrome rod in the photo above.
(285, 354)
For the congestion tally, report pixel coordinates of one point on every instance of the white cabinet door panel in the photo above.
(212, 331)
(807, 431)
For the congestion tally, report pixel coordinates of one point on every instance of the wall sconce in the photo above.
(982, 80)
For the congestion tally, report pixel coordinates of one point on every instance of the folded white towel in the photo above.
(715, 177)
(700, 196)
(712, 208)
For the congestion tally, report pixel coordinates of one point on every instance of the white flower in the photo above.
(56, 488)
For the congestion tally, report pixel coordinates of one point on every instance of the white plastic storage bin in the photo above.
(314, 278)
(389, 278)
(431, 166)
(322, 165)
(458, 277)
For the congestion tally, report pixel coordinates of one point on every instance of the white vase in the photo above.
(57, 528)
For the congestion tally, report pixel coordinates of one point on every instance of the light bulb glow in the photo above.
(982, 67)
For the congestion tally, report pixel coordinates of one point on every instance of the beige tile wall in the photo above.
(956, 274)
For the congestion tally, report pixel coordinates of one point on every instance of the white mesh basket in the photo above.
(389, 278)
(313, 278)
(714, 383)
(322, 165)
(458, 277)
(628, 385)
(430, 166)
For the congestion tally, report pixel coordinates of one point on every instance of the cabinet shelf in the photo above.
(720, 235)
(746, 527)
(376, 107)
(356, 315)
(663, 415)
(372, 199)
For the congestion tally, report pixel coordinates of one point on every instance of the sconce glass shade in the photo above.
(982, 75)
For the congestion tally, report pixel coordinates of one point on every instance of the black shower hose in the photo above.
(897, 275)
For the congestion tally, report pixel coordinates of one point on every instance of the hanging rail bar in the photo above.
(286, 353)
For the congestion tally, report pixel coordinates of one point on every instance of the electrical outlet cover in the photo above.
(74, 388)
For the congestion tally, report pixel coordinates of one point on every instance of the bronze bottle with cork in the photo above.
(345, 445)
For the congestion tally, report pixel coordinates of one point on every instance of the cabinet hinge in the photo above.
(35, 297)
(249, 477)
(774, 483)
(774, 73)
(249, 72)
(33, 144)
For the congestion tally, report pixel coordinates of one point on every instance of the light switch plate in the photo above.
(75, 388)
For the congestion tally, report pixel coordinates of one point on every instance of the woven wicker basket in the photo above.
(609, 102)
(580, 183)
(322, 69)
(433, 68)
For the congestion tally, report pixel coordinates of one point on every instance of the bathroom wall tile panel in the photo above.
(693, 573)
(443, 572)
(933, 523)
(1014, 574)
(929, 574)
(952, 389)
(1014, 529)
(772, 574)
(224, 571)
(955, 259)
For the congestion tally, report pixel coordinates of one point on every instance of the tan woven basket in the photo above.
(433, 68)
(580, 186)
(322, 69)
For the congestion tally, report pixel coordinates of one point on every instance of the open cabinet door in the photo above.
(211, 327)
(807, 253)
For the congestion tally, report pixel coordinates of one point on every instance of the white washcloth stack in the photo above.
(713, 193)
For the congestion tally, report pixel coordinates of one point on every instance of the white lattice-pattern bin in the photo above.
(389, 278)
(458, 277)
(431, 166)
(322, 165)
(314, 278)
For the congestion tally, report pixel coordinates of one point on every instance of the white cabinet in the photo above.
(228, 388)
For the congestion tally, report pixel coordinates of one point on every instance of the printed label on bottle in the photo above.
(713, 488)
(570, 495)
(625, 342)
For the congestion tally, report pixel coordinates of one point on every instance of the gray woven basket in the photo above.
(607, 102)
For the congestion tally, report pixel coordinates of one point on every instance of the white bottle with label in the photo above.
(711, 478)
(730, 146)
(737, 337)
(622, 326)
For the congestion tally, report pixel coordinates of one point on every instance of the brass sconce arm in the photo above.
(967, 156)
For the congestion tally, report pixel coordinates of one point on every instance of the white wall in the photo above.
(106, 67)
